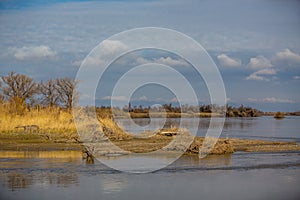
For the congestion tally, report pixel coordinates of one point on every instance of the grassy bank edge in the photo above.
(54, 129)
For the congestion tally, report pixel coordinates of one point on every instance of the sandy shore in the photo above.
(32, 142)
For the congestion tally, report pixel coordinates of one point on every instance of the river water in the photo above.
(64, 175)
(265, 127)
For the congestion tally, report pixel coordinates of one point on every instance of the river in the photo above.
(266, 127)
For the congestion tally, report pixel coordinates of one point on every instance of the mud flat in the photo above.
(34, 142)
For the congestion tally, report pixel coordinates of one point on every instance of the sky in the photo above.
(254, 43)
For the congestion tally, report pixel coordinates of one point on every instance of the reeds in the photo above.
(49, 120)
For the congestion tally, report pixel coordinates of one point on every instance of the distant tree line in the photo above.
(230, 111)
(21, 92)
(171, 108)
(242, 111)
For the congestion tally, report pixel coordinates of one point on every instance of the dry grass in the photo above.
(263, 146)
(54, 125)
(113, 130)
(52, 121)
(222, 146)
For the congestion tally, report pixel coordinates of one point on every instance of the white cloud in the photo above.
(171, 62)
(270, 100)
(174, 100)
(252, 100)
(76, 63)
(89, 61)
(116, 98)
(257, 76)
(112, 47)
(33, 52)
(94, 61)
(266, 66)
(259, 62)
(296, 77)
(269, 71)
(141, 60)
(143, 98)
(226, 61)
(163, 60)
(286, 58)
(159, 99)
(276, 100)
(108, 48)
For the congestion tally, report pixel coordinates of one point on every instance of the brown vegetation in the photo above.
(279, 115)
(263, 145)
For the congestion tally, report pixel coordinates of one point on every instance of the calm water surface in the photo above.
(253, 128)
(64, 175)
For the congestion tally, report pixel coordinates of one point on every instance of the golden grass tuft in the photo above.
(279, 115)
(49, 120)
(55, 124)
(113, 130)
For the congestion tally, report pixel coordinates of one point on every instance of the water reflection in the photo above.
(20, 170)
(209, 161)
(189, 123)
(74, 177)
(41, 154)
(112, 184)
(252, 128)
(18, 180)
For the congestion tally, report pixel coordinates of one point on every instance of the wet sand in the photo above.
(17, 142)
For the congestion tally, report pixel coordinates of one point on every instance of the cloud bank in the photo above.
(286, 58)
(259, 62)
(226, 61)
(270, 100)
(257, 76)
(33, 52)
(163, 60)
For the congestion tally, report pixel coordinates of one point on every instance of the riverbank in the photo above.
(169, 115)
(52, 129)
(34, 142)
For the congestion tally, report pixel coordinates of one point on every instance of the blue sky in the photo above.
(255, 43)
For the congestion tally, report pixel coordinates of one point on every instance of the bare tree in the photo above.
(18, 86)
(66, 89)
(49, 94)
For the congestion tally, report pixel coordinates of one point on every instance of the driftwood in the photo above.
(87, 156)
(29, 128)
(168, 133)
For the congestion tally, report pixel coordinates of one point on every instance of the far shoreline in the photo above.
(194, 115)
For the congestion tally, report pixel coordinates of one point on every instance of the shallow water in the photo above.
(287, 129)
(64, 175)
(241, 175)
